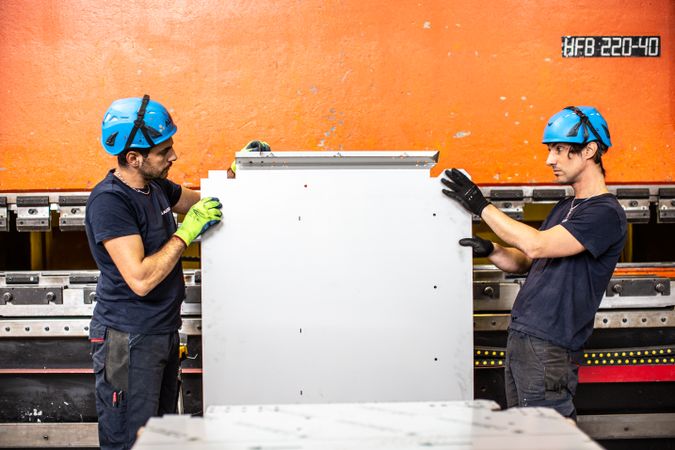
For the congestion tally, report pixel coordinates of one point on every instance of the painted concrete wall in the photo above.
(476, 80)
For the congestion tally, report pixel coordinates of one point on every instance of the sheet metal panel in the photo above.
(449, 425)
(320, 286)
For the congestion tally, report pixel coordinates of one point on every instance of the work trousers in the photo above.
(539, 373)
(136, 378)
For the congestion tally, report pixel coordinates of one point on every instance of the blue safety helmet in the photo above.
(577, 125)
(135, 123)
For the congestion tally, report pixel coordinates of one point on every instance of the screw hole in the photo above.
(46, 328)
(605, 320)
(67, 328)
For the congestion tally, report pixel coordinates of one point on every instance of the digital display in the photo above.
(611, 46)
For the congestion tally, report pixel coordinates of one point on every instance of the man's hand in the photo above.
(203, 214)
(464, 191)
(253, 146)
(481, 247)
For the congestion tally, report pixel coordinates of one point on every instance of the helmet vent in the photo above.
(152, 132)
(111, 139)
(574, 130)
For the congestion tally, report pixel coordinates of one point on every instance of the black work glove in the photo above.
(464, 191)
(257, 146)
(481, 247)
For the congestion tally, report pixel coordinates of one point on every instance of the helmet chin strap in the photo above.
(139, 124)
(585, 121)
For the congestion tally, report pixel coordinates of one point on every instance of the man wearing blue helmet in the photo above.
(569, 261)
(137, 247)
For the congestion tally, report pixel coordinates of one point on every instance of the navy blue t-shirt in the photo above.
(560, 296)
(114, 210)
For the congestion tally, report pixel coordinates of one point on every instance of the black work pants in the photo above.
(136, 378)
(539, 373)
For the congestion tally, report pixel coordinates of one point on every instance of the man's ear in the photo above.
(590, 150)
(134, 159)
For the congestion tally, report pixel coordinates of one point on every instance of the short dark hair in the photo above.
(597, 158)
(122, 157)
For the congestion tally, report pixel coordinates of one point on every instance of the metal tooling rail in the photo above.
(32, 211)
(59, 303)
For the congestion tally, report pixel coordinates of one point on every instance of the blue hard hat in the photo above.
(577, 125)
(135, 123)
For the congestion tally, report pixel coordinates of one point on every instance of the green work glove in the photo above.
(253, 146)
(203, 214)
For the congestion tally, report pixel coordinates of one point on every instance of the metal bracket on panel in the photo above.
(32, 213)
(22, 278)
(510, 201)
(666, 205)
(4, 215)
(71, 212)
(193, 294)
(29, 295)
(89, 295)
(635, 202)
(638, 287)
(83, 278)
(548, 195)
(486, 290)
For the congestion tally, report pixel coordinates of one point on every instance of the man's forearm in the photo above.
(510, 260)
(523, 237)
(158, 265)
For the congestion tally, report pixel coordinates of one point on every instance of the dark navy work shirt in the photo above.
(114, 210)
(560, 296)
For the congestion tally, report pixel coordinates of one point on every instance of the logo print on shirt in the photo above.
(168, 209)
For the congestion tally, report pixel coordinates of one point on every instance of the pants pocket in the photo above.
(555, 381)
(117, 359)
(555, 361)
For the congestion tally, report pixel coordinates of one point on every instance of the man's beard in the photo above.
(149, 175)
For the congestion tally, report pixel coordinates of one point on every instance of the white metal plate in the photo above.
(335, 284)
(444, 425)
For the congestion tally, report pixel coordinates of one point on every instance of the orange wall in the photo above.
(474, 79)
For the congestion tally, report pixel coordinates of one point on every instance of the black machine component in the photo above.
(33, 213)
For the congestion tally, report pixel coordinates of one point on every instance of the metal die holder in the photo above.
(666, 205)
(68, 327)
(510, 201)
(4, 218)
(604, 319)
(635, 202)
(32, 213)
(71, 212)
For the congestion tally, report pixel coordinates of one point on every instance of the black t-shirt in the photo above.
(560, 296)
(114, 210)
